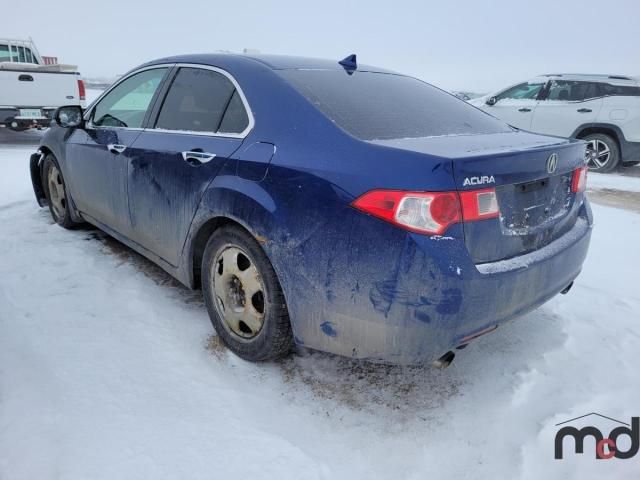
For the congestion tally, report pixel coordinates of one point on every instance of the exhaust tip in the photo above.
(445, 360)
(566, 289)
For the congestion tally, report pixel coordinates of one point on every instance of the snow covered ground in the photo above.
(627, 183)
(110, 370)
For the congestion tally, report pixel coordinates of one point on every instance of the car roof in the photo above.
(593, 77)
(273, 62)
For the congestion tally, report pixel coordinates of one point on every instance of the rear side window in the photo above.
(235, 119)
(620, 90)
(31, 58)
(571, 91)
(377, 106)
(202, 100)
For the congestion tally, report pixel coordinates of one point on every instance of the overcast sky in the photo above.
(474, 45)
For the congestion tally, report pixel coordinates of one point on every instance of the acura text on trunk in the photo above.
(339, 207)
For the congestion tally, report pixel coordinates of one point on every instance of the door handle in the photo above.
(584, 110)
(115, 148)
(524, 109)
(195, 158)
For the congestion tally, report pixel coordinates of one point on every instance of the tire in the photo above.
(607, 154)
(243, 297)
(56, 192)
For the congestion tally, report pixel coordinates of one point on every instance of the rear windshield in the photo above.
(378, 106)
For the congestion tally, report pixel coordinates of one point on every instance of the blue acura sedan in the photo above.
(326, 204)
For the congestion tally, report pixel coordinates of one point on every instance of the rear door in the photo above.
(566, 106)
(97, 160)
(200, 123)
(517, 104)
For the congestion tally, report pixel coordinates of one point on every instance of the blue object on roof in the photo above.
(349, 63)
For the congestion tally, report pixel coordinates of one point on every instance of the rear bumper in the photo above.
(412, 303)
(630, 151)
(10, 118)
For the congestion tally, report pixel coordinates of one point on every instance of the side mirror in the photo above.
(69, 116)
(492, 101)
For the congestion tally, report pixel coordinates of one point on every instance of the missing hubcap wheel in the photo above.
(240, 292)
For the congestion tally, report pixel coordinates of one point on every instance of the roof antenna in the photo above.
(349, 63)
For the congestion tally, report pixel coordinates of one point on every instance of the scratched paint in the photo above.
(328, 329)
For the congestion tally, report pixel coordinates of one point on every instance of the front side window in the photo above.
(379, 106)
(202, 100)
(571, 91)
(127, 104)
(524, 91)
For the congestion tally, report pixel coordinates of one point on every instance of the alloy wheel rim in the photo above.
(239, 292)
(56, 192)
(598, 154)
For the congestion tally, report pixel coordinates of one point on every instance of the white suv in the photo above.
(604, 110)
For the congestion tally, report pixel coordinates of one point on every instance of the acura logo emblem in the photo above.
(552, 162)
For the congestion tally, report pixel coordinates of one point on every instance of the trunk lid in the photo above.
(535, 200)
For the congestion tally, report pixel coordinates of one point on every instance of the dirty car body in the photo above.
(302, 173)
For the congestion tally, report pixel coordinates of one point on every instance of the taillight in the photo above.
(428, 212)
(579, 180)
(81, 91)
(479, 204)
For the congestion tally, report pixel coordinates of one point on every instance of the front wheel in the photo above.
(56, 192)
(603, 154)
(243, 296)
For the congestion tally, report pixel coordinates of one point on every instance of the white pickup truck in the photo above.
(32, 87)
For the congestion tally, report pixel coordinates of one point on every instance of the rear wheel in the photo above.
(56, 193)
(603, 154)
(244, 298)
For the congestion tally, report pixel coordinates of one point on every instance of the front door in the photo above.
(98, 159)
(202, 122)
(516, 105)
